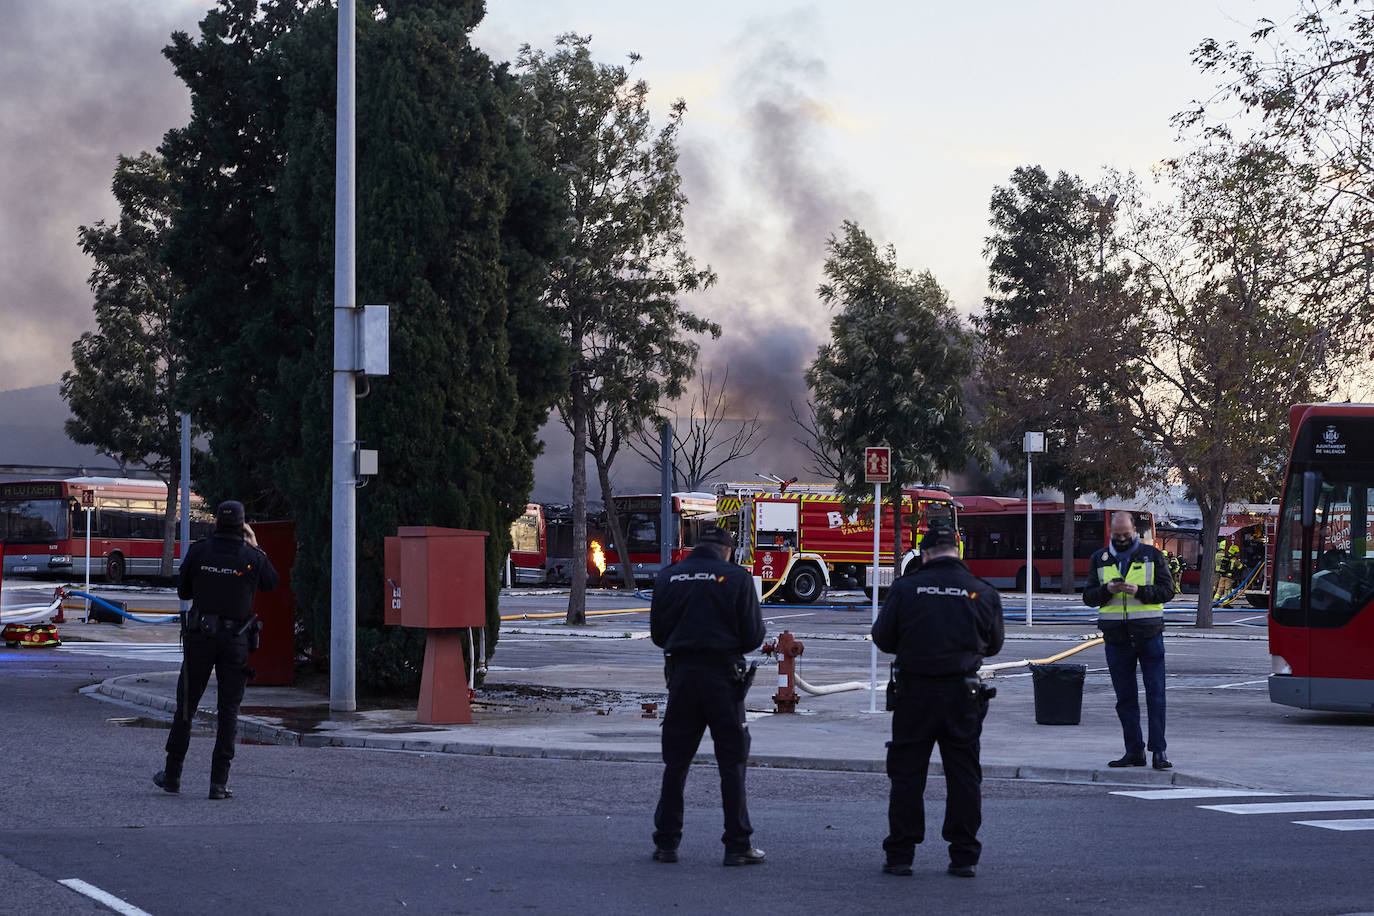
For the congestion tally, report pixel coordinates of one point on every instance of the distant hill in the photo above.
(31, 431)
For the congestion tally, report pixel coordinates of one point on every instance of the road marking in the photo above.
(110, 900)
(1239, 684)
(1358, 804)
(787, 616)
(1166, 794)
(1354, 823)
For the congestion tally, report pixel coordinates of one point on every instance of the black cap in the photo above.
(940, 536)
(229, 516)
(714, 534)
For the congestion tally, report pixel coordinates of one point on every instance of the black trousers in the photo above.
(945, 712)
(701, 695)
(225, 653)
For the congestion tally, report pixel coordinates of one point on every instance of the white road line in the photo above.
(1166, 794)
(1357, 804)
(1238, 684)
(1354, 823)
(787, 616)
(110, 900)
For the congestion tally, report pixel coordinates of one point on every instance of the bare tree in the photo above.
(825, 462)
(705, 444)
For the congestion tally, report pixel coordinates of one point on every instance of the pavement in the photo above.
(1220, 734)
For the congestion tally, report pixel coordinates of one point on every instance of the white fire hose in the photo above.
(32, 613)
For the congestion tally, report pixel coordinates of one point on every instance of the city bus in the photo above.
(43, 527)
(640, 517)
(994, 535)
(1321, 622)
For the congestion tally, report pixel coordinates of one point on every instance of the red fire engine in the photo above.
(800, 539)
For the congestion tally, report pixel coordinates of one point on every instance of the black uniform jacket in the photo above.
(940, 621)
(1105, 568)
(705, 605)
(220, 574)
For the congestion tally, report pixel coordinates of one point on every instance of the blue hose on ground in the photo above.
(174, 618)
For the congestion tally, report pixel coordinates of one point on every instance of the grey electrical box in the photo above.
(374, 340)
(367, 462)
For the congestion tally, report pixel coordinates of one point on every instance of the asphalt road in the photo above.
(328, 830)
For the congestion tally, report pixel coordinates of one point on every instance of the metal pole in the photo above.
(90, 514)
(1030, 548)
(873, 646)
(665, 449)
(343, 567)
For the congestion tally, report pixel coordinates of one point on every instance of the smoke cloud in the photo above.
(84, 81)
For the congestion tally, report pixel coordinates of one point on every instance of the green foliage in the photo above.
(123, 381)
(456, 222)
(892, 371)
(615, 294)
(1056, 333)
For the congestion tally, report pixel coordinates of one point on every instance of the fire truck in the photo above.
(801, 541)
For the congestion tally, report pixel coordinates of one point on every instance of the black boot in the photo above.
(167, 783)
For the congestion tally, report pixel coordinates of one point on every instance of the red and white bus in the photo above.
(1321, 616)
(640, 520)
(43, 526)
(994, 535)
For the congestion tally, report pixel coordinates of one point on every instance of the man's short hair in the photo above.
(717, 537)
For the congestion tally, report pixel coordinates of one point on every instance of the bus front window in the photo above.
(33, 521)
(1342, 559)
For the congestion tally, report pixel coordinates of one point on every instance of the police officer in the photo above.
(1129, 581)
(705, 615)
(940, 622)
(219, 576)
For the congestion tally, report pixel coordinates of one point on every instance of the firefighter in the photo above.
(1227, 561)
(705, 615)
(1129, 581)
(1175, 567)
(219, 576)
(940, 621)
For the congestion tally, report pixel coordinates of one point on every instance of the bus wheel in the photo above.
(1021, 580)
(1259, 601)
(114, 569)
(805, 585)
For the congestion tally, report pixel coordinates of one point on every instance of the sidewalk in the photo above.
(1217, 737)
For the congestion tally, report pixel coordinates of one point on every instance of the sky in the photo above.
(901, 116)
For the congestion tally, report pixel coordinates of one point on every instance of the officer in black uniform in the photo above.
(219, 576)
(940, 622)
(705, 615)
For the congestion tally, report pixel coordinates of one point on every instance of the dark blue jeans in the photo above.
(1121, 662)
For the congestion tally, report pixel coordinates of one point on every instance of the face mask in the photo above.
(1122, 542)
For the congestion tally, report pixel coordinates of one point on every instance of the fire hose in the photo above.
(988, 671)
(33, 613)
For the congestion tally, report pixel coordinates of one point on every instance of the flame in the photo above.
(598, 557)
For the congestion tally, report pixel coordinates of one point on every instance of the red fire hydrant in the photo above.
(786, 649)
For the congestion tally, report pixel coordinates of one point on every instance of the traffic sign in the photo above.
(88, 499)
(878, 464)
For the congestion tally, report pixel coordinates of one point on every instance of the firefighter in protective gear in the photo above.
(940, 621)
(705, 615)
(1175, 567)
(1129, 581)
(219, 576)
(1228, 567)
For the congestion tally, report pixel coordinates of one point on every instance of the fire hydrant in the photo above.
(786, 649)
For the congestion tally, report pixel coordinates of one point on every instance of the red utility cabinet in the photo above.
(436, 580)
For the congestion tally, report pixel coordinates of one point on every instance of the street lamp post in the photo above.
(1034, 442)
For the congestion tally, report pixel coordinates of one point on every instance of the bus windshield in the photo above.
(33, 521)
(1342, 560)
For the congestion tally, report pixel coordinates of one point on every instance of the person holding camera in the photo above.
(219, 576)
(940, 621)
(705, 615)
(1130, 582)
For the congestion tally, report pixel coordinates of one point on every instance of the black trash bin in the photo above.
(1058, 693)
(101, 614)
